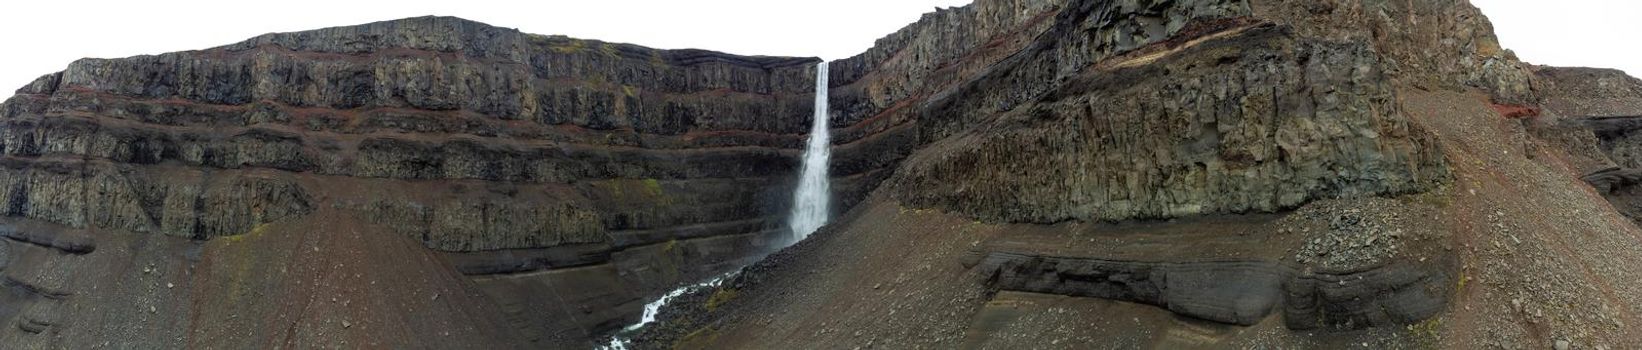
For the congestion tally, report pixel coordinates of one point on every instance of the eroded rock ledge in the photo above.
(1237, 292)
(1336, 264)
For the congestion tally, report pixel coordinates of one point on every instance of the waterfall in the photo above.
(812, 201)
(812, 205)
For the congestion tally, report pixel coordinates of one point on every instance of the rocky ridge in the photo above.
(547, 186)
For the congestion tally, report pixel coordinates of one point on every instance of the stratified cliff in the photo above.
(1013, 173)
(1204, 174)
(1111, 127)
(568, 180)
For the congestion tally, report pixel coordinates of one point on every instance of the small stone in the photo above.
(168, 285)
(346, 324)
(1563, 345)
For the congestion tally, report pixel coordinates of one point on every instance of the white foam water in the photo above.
(653, 309)
(812, 201)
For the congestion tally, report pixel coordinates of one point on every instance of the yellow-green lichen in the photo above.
(652, 187)
(721, 297)
(636, 189)
(569, 47)
(699, 339)
(1460, 286)
(655, 59)
(255, 231)
(240, 262)
(1427, 334)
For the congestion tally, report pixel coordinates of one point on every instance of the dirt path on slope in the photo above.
(1546, 258)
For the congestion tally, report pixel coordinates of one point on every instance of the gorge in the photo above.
(1008, 174)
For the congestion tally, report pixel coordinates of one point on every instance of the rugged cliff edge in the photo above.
(1256, 172)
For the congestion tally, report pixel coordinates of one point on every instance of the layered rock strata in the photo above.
(556, 184)
(1154, 110)
(1238, 292)
(532, 163)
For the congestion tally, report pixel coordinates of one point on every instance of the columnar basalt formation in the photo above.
(1308, 115)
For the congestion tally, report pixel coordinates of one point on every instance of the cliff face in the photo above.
(529, 162)
(1349, 168)
(1269, 125)
(440, 182)
(420, 99)
(1046, 111)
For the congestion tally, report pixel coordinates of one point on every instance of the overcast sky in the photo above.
(43, 36)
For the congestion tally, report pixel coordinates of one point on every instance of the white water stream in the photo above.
(812, 203)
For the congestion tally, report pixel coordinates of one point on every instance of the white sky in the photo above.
(1575, 33)
(43, 36)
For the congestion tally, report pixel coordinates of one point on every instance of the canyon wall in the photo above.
(529, 163)
(552, 185)
(1048, 111)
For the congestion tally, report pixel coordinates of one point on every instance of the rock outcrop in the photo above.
(529, 162)
(1596, 114)
(518, 190)
(1252, 121)
(1012, 97)
(1237, 292)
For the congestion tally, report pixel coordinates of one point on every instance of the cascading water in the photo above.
(812, 203)
(653, 309)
